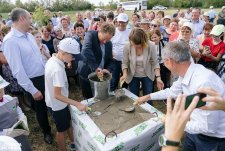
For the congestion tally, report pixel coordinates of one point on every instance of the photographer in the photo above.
(98, 23)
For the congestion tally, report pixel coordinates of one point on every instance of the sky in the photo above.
(95, 2)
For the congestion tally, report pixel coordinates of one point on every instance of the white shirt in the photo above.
(89, 21)
(212, 13)
(46, 51)
(198, 27)
(24, 58)
(188, 16)
(210, 123)
(55, 76)
(118, 41)
(86, 24)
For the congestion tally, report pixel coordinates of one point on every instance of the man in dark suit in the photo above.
(97, 56)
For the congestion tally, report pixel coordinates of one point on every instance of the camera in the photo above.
(96, 19)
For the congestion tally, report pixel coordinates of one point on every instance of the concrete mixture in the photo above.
(109, 114)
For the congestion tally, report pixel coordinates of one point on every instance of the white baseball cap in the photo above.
(206, 14)
(3, 83)
(9, 144)
(189, 24)
(217, 30)
(70, 45)
(122, 17)
(167, 17)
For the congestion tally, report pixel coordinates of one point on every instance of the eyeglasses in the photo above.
(185, 31)
(154, 25)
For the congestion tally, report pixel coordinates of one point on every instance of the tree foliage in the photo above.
(40, 16)
(152, 3)
(54, 5)
(5, 6)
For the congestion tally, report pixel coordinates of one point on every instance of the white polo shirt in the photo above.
(210, 123)
(118, 41)
(55, 76)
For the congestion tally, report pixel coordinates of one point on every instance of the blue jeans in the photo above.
(147, 86)
(198, 142)
(115, 74)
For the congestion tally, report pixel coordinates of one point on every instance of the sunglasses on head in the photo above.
(154, 25)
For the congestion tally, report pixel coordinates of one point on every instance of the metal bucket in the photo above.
(100, 89)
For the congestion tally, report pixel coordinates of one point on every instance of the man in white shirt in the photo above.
(205, 130)
(57, 92)
(120, 38)
(25, 61)
(188, 14)
(79, 17)
(197, 22)
(212, 14)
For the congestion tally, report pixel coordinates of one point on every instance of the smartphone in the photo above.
(189, 99)
(96, 19)
(206, 47)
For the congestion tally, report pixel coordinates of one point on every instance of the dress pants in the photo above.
(39, 106)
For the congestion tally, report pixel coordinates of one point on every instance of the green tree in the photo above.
(19, 4)
(6, 6)
(112, 5)
(40, 17)
(152, 3)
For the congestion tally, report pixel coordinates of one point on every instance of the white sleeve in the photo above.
(46, 49)
(172, 92)
(58, 79)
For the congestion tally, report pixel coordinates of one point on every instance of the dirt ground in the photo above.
(36, 136)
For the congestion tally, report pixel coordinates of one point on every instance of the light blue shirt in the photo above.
(23, 57)
(212, 13)
(198, 27)
(103, 56)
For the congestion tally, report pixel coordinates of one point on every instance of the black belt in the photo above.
(37, 78)
(116, 60)
(211, 138)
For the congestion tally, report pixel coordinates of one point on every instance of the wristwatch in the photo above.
(163, 141)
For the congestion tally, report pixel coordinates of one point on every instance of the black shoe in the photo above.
(48, 138)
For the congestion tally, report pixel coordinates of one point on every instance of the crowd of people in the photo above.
(156, 55)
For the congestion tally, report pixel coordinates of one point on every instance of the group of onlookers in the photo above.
(149, 52)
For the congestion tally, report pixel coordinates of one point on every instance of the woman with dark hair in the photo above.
(140, 63)
(155, 36)
(47, 39)
(79, 32)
